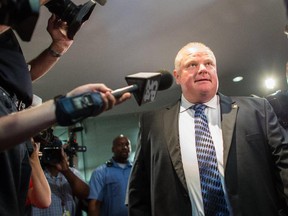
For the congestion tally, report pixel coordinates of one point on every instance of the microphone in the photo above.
(144, 85)
(101, 2)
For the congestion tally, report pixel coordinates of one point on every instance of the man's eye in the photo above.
(192, 65)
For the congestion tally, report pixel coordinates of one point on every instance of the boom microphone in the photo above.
(144, 85)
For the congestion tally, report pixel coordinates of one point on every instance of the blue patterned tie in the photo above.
(211, 187)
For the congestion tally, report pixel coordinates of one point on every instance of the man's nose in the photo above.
(125, 147)
(202, 68)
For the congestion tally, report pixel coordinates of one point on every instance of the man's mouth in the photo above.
(203, 80)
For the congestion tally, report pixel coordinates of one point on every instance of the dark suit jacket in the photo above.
(255, 162)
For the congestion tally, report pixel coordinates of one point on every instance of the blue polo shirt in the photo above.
(108, 184)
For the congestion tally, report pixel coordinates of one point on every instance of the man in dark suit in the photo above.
(251, 149)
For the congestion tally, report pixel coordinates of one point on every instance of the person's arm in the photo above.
(97, 193)
(50, 56)
(278, 142)
(94, 207)
(80, 189)
(40, 194)
(20, 126)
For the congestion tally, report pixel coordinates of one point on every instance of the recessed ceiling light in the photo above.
(237, 79)
(270, 83)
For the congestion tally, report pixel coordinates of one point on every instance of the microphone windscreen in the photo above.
(166, 80)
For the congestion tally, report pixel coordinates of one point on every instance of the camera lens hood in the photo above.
(82, 15)
(74, 15)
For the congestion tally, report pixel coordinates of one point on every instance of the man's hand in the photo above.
(108, 99)
(58, 32)
(64, 164)
(36, 153)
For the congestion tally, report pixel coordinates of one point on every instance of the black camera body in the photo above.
(74, 15)
(51, 155)
(22, 15)
(51, 147)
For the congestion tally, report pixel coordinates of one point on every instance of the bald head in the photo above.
(185, 50)
(195, 71)
(121, 148)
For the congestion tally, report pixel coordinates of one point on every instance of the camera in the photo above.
(45, 137)
(51, 147)
(74, 15)
(22, 15)
(51, 155)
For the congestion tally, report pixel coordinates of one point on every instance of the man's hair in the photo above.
(183, 51)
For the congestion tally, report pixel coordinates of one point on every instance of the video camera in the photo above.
(51, 147)
(22, 15)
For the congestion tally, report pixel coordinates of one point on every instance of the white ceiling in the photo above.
(128, 36)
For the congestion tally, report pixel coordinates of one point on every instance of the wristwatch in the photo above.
(54, 53)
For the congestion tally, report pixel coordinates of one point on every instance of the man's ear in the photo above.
(176, 76)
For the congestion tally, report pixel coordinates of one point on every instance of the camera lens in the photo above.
(74, 15)
(52, 155)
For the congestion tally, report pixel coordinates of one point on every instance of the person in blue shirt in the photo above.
(108, 182)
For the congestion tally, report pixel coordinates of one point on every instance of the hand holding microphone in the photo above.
(85, 101)
(97, 98)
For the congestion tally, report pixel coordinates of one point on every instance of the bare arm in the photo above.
(94, 208)
(60, 44)
(79, 188)
(18, 127)
(40, 193)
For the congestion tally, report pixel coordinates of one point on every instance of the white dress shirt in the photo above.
(188, 148)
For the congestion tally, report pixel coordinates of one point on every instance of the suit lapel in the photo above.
(229, 110)
(170, 118)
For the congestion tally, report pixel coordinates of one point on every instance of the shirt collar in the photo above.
(185, 104)
(129, 163)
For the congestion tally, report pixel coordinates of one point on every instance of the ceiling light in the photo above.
(270, 83)
(237, 79)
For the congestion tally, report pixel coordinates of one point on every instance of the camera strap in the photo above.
(70, 110)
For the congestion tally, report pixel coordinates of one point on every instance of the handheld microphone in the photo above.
(144, 85)
(101, 2)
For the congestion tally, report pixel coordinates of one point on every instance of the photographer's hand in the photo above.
(58, 32)
(39, 194)
(49, 57)
(64, 164)
(79, 188)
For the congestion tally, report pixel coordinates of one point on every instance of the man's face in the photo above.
(197, 74)
(122, 148)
